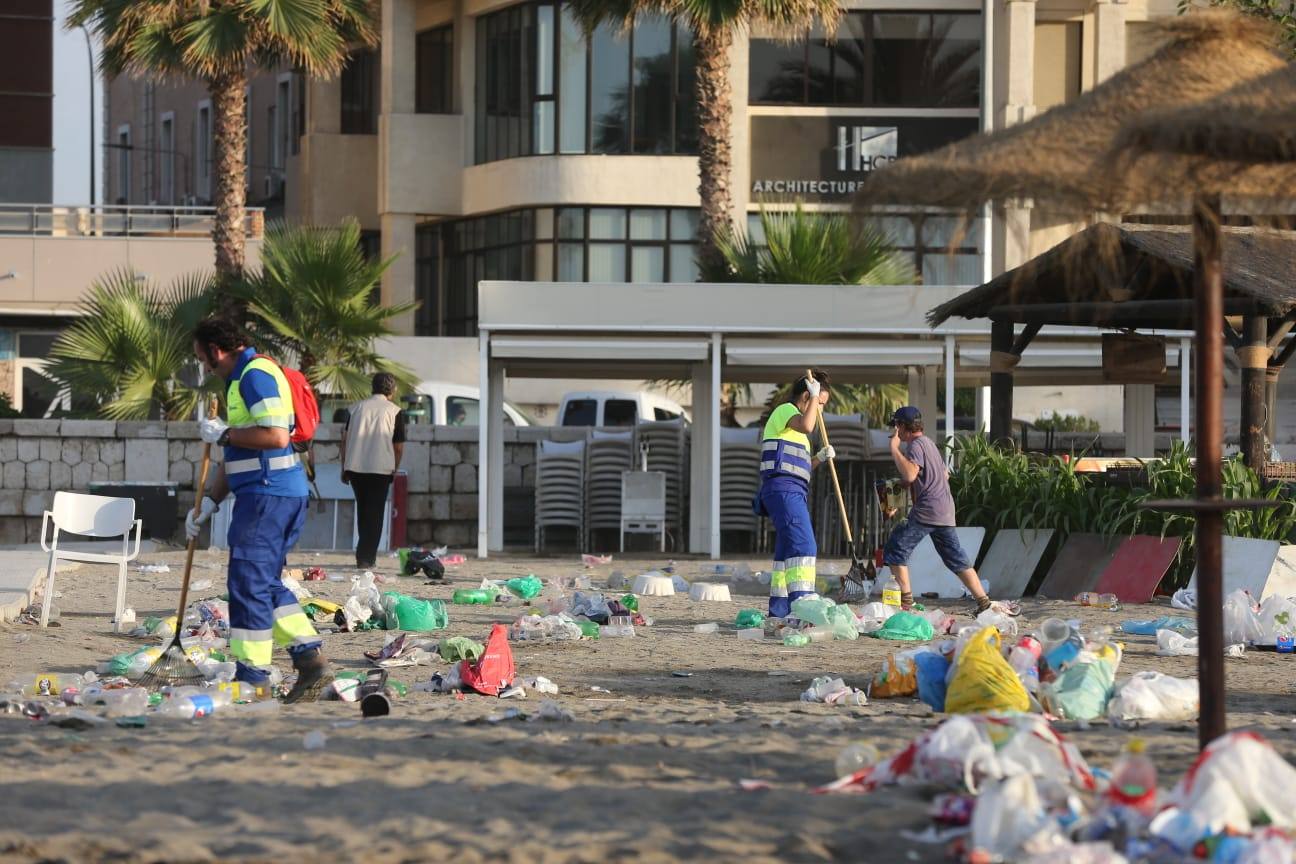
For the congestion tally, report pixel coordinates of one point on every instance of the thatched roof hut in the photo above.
(1062, 156)
(1134, 276)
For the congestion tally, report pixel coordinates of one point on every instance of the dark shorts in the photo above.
(906, 536)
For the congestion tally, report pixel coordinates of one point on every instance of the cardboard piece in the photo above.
(1248, 564)
(1137, 568)
(1078, 565)
(1014, 554)
(926, 572)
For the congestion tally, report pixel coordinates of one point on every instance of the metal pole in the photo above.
(1185, 388)
(714, 446)
(1209, 295)
(483, 444)
(949, 400)
(90, 55)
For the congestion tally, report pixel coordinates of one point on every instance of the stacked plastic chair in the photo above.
(606, 457)
(560, 490)
(668, 452)
(849, 435)
(740, 451)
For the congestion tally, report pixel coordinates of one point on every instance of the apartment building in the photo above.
(26, 100)
(487, 139)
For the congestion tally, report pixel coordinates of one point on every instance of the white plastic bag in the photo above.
(1006, 624)
(1172, 644)
(872, 616)
(1239, 780)
(1241, 622)
(1271, 615)
(1184, 598)
(1080, 853)
(1154, 696)
(1009, 818)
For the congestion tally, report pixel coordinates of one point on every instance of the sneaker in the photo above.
(1011, 608)
(314, 675)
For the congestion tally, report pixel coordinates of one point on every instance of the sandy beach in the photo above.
(647, 771)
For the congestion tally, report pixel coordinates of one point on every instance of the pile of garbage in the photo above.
(1057, 670)
(367, 608)
(1247, 624)
(1016, 790)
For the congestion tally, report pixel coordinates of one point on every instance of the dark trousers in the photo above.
(370, 497)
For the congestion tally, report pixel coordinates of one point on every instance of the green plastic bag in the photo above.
(905, 627)
(631, 602)
(813, 610)
(413, 614)
(1082, 691)
(457, 648)
(589, 629)
(842, 621)
(525, 587)
(749, 618)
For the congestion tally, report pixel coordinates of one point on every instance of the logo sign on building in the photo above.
(825, 158)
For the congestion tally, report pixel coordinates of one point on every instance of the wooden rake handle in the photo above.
(213, 408)
(832, 469)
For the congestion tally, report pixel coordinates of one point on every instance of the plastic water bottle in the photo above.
(188, 705)
(1098, 601)
(891, 592)
(1025, 664)
(128, 702)
(856, 757)
(1134, 780)
(473, 597)
(242, 691)
(44, 683)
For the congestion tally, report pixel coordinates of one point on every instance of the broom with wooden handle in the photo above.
(856, 573)
(174, 668)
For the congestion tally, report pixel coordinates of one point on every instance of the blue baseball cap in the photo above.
(907, 414)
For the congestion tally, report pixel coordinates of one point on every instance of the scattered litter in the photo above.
(153, 568)
(315, 740)
(542, 684)
(1185, 598)
(456, 648)
(1150, 626)
(747, 785)
(708, 627)
(678, 674)
(200, 584)
(315, 574)
(1151, 695)
(595, 560)
(833, 691)
(1172, 644)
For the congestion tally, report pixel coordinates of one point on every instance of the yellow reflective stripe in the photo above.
(294, 629)
(253, 652)
(778, 581)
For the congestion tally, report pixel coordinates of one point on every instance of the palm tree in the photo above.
(714, 24)
(810, 248)
(215, 41)
(130, 353)
(803, 248)
(312, 301)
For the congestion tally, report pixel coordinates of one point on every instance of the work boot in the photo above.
(314, 674)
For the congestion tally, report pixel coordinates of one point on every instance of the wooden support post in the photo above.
(1271, 401)
(1253, 357)
(1001, 380)
(1208, 290)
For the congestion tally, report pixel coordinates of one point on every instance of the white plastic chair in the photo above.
(643, 504)
(90, 516)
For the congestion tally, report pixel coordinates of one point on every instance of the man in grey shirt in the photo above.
(923, 470)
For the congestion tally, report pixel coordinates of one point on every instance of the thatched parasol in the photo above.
(1060, 157)
(1254, 122)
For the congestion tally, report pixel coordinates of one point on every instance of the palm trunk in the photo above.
(229, 136)
(715, 140)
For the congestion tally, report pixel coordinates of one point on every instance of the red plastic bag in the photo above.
(494, 670)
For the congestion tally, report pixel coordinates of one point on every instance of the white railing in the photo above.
(52, 220)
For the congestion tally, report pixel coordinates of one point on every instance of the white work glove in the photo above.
(825, 453)
(211, 429)
(812, 387)
(193, 524)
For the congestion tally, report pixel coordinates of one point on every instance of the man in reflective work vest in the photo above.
(785, 490)
(269, 485)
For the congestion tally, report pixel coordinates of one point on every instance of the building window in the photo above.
(434, 71)
(202, 150)
(566, 244)
(543, 88)
(944, 248)
(359, 87)
(124, 164)
(166, 161)
(879, 59)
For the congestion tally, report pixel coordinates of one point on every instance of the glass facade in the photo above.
(879, 59)
(359, 86)
(543, 88)
(568, 244)
(434, 71)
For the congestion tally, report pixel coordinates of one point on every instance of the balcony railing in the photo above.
(47, 220)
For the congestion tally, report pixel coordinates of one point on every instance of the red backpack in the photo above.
(305, 408)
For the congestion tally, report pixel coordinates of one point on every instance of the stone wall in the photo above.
(40, 457)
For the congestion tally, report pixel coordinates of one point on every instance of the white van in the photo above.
(613, 408)
(439, 403)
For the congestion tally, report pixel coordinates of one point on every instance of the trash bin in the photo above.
(155, 504)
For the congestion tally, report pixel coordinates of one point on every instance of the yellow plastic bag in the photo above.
(983, 680)
(897, 677)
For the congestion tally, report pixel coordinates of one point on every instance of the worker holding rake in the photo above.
(784, 497)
